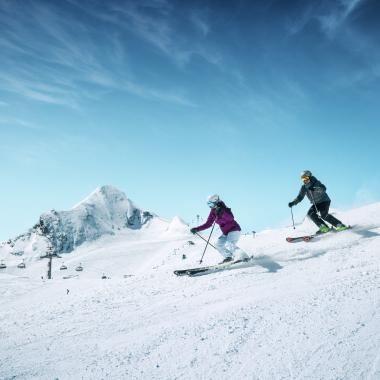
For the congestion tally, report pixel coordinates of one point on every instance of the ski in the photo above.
(310, 237)
(219, 268)
(183, 272)
(300, 238)
(209, 269)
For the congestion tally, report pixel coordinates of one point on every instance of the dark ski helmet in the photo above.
(306, 173)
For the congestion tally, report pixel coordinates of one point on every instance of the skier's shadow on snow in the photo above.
(267, 263)
(366, 232)
(308, 257)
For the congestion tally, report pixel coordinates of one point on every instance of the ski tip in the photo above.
(180, 273)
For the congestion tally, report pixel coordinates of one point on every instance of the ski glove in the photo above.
(193, 230)
(291, 204)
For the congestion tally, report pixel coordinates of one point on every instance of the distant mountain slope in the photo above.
(104, 212)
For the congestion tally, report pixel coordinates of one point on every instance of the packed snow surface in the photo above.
(299, 311)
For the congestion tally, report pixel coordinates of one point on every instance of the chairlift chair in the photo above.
(79, 268)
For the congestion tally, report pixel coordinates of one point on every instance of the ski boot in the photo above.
(323, 229)
(341, 227)
(227, 260)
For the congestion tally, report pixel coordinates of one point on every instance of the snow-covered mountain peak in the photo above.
(103, 195)
(111, 205)
(178, 226)
(104, 212)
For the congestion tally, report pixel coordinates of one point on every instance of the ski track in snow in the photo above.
(300, 311)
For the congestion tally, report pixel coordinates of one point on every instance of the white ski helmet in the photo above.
(213, 198)
(306, 173)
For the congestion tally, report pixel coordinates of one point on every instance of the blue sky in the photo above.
(171, 101)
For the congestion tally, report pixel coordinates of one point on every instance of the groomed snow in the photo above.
(300, 311)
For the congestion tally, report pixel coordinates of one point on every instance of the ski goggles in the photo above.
(211, 204)
(305, 178)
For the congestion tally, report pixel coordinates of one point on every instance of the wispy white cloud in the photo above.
(18, 123)
(276, 104)
(199, 20)
(334, 19)
(153, 93)
(157, 24)
(154, 29)
(37, 90)
(331, 16)
(61, 56)
(337, 21)
(297, 24)
(342, 29)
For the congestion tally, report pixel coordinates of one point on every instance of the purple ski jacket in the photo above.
(223, 216)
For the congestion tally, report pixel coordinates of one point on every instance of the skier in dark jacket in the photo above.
(226, 243)
(319, 211)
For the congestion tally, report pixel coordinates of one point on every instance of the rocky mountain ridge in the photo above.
(104, 212)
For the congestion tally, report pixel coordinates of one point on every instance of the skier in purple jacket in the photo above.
(226, 243)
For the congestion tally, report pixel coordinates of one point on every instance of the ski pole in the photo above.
(291, 211)
(205, 240)
(200, 262)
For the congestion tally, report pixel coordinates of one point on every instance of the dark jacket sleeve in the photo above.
(210, 220)
(300, 196)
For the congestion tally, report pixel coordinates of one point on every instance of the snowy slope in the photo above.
(300, 311)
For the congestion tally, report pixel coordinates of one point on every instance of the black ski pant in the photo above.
(323, 209)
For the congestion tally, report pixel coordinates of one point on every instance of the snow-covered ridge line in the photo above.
(105, 211)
